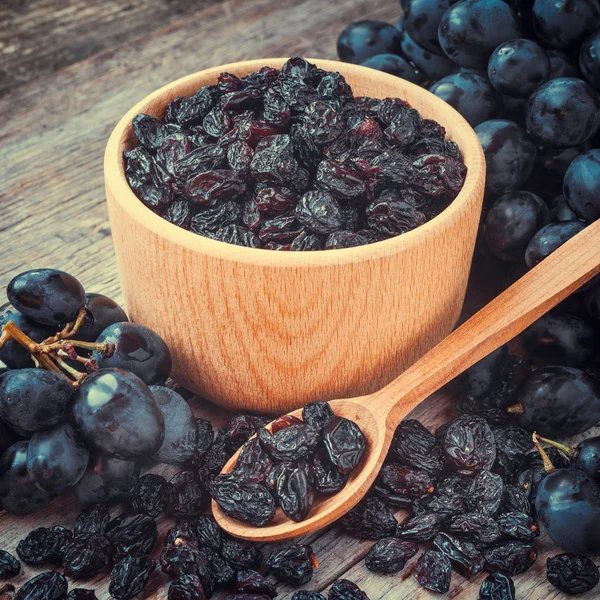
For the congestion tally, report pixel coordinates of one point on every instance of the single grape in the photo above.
(581, 187)
(137, 349)
(589, 59)
(394, 65)
(568, 505)
(106, 479)
(470, 30)
(511, 222)
(18, 494)
(56, 458)
(509, 155)
(558, 401)
(564, 23)
(471, 94)
(47, 296)
(549, 238)
(181, 431)
(117, 414)
(12, 354)
(422, 20)
(552, 164)
(480, 379)
(359, 41)
(33, 399)
(8, 436)
(517, 67)
(563, 112)
(561, 211)
(101, 311)
(560, 339)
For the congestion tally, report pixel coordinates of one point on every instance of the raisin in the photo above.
(486, 493)
(434, 571)
(345, 444)
(512, 443)
(475, 526)
(284, 422)
(463, 555)
(515, 499)
(93, 519)
(398, 485)
(219, 569)
(293, 564)
(302, 595)
(275, 200)
(173, 148)
(44, 545)
(274, 160)
(341, 180)
(497, 586)
(205, 440)
(469, 445)
(292, 443)
(511, 557)
(212, 218)
(86, 556)
(180, 552)
(345, 239)
(518, 526)
(370, 519)
(327, 478)
(148, 130)
(81, 594)
(320, 212)
(187, 496)
(243, 499)
(344, 589)
(572, 573)
(444, 505)
(131, 536)
(389, 555)
(186, 587)
(241, 428)
(211, 186)
(414, 445)
(152, 495)
(253, 463)
(46, 586)
(130, 576)
(241, 554)
(9, 565)
(214, 459)
(391, 215)
(252, 582)
(292, 486)
(207, 532)
(419, 528)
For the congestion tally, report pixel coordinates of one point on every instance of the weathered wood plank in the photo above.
(38, 37)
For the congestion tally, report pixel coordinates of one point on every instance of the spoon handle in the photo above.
(542, 288)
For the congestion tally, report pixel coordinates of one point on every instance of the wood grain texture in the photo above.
(272, 331)
(378, 414)
(41, 36)
(53, 213)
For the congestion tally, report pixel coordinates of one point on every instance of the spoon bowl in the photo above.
(378, 414)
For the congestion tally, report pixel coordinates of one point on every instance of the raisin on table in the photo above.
(469, 445)
(497, 586)
(9, 565)
(131, 536)
(463, 555)
(44, 545)
(415, 446)
(390, 555)
(86, 556)
(207, 532)
(344, 589)
(293, 564)
(371, 519)
(511, 557)
(152, 495)
(47, 586)
(93, 519)
(572, 573)
(187, 495)
(186, 587)
(345, 444)
(252, 582)
(130, 576)
(241, 554)
(518, 526)
(434, 571)
(81, 594)
(475, 527)
(420, 528)
(486, 493)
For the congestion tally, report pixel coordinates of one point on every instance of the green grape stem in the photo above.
(548, 466)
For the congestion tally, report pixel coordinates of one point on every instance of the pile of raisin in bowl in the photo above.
(290, 160)
(285, 466)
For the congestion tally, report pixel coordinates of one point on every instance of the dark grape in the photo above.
(12, 354)
(18, 494)
(480, 379)
(561, 211)
(33, 399)
(359, 41)
(8, 437)
(558, 401)
(181, 431)
(47, 296)
(582, 185)
(518, 67)
(471, 94)
(512, 221)
(56, 458)
(421, 21)
(470, 30)
(509, 155)
(394, 65)
(106, 478)
(117, 414)
(563, 112)
(549, 238)
(589, 55)
(561, 65)
(137, 349)
(101, 311)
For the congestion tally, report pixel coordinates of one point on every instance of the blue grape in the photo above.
(359, 41)
(581, 186)
(394, 65)
(589, 59)
(101, 311)
(549, 238)
(421, 21)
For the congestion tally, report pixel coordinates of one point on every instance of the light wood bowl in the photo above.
(267, 331)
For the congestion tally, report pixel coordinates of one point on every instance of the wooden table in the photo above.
(68, 70)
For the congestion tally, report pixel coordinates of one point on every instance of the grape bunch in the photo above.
(82, 400)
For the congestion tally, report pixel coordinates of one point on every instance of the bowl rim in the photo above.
(116, 181)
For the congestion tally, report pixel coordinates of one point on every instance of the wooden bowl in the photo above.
(269, 331)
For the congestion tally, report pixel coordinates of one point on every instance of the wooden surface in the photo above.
(378, 414)
(52, 205)
(272, 331)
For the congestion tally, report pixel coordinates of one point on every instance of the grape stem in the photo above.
(570, 452)
(548, 466)
(69, 330)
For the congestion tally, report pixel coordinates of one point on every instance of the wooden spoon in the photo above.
(378, 414)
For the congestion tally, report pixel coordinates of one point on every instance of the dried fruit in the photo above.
(343, 589)
(44, 545)
(130, 576)
(389, 555)
(293, 564)
(434, 571)
(370, 519)
(152, 495)
(46, 586)
(9, 565)
(131, 536)
(572, 573)
(86, 556)
(93, 519)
